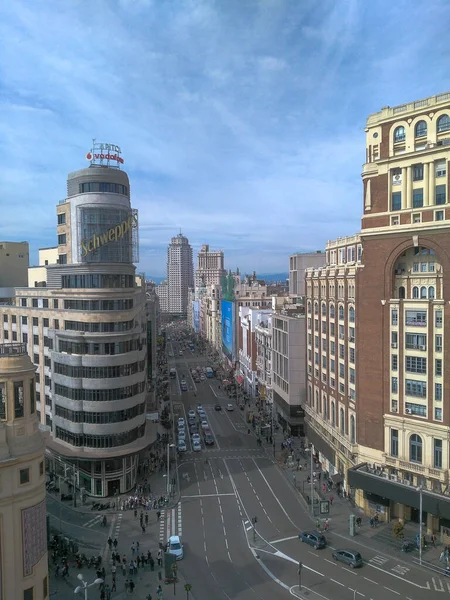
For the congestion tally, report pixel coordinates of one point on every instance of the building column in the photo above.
(404, 188)
(409, 187)
(429, 523)
(431, 181)
(426, 196)
(401, 513)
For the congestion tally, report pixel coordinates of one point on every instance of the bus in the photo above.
(209, 372)
(172, 373)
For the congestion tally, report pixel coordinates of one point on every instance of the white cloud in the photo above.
(240, 122)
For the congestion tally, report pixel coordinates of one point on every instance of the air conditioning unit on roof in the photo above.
(408, 411)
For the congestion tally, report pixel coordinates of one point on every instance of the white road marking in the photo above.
(313, 553)
(180, 525)
(286, 539)
(422, 587)
(294, 560)
(438, 589)
(379, 560)
(349, 571)
(371, 580)
(212, 389)
(390, 590)
(330, 561)
(248, 528)
(208, 495)
(338, 582)
(273, 493)
(356, 592)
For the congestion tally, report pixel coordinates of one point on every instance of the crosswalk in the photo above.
(94, 521)
(378, 560)
(170, 523)
(439, 585)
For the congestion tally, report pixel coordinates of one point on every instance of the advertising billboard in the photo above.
(228, 328)
(196, 315)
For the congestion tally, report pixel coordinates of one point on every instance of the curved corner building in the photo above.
(85, 327)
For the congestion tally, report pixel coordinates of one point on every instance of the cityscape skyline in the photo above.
(237, 141)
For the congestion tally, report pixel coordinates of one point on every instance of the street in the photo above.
(224, 557)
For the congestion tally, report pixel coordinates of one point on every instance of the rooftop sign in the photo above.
(103, 155)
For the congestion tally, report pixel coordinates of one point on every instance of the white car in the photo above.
(195, 438)
(204, 424)
(183, 382)
(191, 414)
(180, 422)
(230, 406)
(196, 446)
(199, 408)
(202, 377)
(182, 445)
(175, 547)
(181, 434)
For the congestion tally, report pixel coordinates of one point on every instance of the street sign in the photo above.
(188, 587)
(324, 507)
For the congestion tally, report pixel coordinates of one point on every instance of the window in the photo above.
(440, 168)
(439, 215)
(416, 218)
(394, 362)
(419, 410)
(399, 134)
(415, 448)
(438, 392)
(332, 365)
(443, 123)
(25, 338)
(61, 238)
(396, 201)
(333, 414)
(440, 197)
(431, 293)
(394, 442)
(418, 198)
(32, 398)
(417, 172)
(437, 454)
(438, 414)
(55, 303)
(62, 219)
(14, 319)
(415, 388)
(352, 375)
(56, 323)
(351, 314)
(332, 311)
(36, 340)
(24, 476)
(341, 370)
(45, 303)
(438, 343)
(421, 129)
(351, 357)
(394, 316)
(438, 367)
(28, 594)
(35, 322)
(324, 309)
(416, 318)
(341, 313)
(41, 468)
(24, 320)
(394, 385)
(46, 323)
(342, 420)
(14, 336)
(23, 302)
(416, 364)
(401, 293)
(62, 259)
(18, 399)
(352, 430)
(415, 288)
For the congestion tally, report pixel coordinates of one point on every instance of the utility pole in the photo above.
(312, 479)
(254, 521)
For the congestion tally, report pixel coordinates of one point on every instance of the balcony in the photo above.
(403, 465)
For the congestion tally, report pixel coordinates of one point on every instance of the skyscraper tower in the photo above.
(210, 269)
(23, 529)
(180, 274)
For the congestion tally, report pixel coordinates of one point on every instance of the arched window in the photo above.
(415, 448)
(399, 134)
(325, 408)
(421, 129)
(309, 395)
(341, 313)
(351, 314)
(332, 311)
(401, 292)
(317, 400)
(342, 420)
(431, 293)
(309, 307)
(324, 309)
(333, 414)
(352, 430)
(423, 292)
(316, 308)
(415, 292)
(443, 123)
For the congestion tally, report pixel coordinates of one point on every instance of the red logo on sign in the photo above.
(88, 156)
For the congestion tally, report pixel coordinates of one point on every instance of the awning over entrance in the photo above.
(337, 478)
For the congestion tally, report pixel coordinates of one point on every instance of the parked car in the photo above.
(192, 421)
(209, 438)
(230, 406)
(199, 407)
(175, 547)
(352, 558)
(182, 445)
(181, 434)
(196, 446)
(313, 538)
(195, 437)
(202, 377)
(191, 413)
(180, 421)
(217, 406)
(204, 424)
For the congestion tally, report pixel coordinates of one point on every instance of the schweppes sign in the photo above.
(112, 235)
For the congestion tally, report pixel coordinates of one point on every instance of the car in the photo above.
(180, 421)
(175, 547)
(195, 437)
(180, 353)
(230, 406)
(191, 413)
(352, 558)
(202, 377)
(217, 406)
(196, 446)
(183, 382)
(192, 421)
(181, 434)
(314, 539)
(209, 438)
(199, 407)
(182, 445)
(184, 388)
(204, 424)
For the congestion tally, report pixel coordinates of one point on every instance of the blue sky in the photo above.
(240, 121)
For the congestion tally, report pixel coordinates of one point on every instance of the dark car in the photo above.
(217, 406)
(208, 436)
(314, 539)
(352, 558)
(193, 429)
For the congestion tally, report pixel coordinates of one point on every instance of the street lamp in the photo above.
(420, 490)
(85, 585)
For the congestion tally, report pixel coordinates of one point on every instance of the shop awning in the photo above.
(239, 379)
(337, 478)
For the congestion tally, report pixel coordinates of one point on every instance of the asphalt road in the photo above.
(224, 557)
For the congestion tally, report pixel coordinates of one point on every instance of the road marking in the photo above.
(371, 580)
(273, 493)
(356, 592)
(209, 495)
(390, 590)
(180, 525)
(330, 561)
(349, 571)
(400, 569)
(93, 521)
(248, 528)
(441, 588)
(379, 560)
(313, 553)
(295, 561)
(422, 587)
(338, 582)
(286, 539)
(212, 389)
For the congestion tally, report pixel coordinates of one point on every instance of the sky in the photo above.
(241, 122)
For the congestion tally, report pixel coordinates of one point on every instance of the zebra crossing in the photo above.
(170, 523)
(94, 521)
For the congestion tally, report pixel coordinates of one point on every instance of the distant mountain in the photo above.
(269, 277)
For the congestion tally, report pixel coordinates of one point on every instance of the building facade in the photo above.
(401, 404)
(14, 263)
(298, 263)
(23, 527)
(86, 332)
(247, 347)
(180, 274)
(210, 266)
(263, 339)
(162, 291)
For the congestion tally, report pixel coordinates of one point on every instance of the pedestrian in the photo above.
(159, 556)
(331, 500)
(143, 528)
(248, 430)
(127, 584)
(158, 514)
(135, 513)
(159, 592)
(146, 518)
(133, 548)
(107, 592)
(137, 547)
(131, 586)
(110, 543)
(114, 587)
(433, 539)
(115, 542)
(327, 525)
